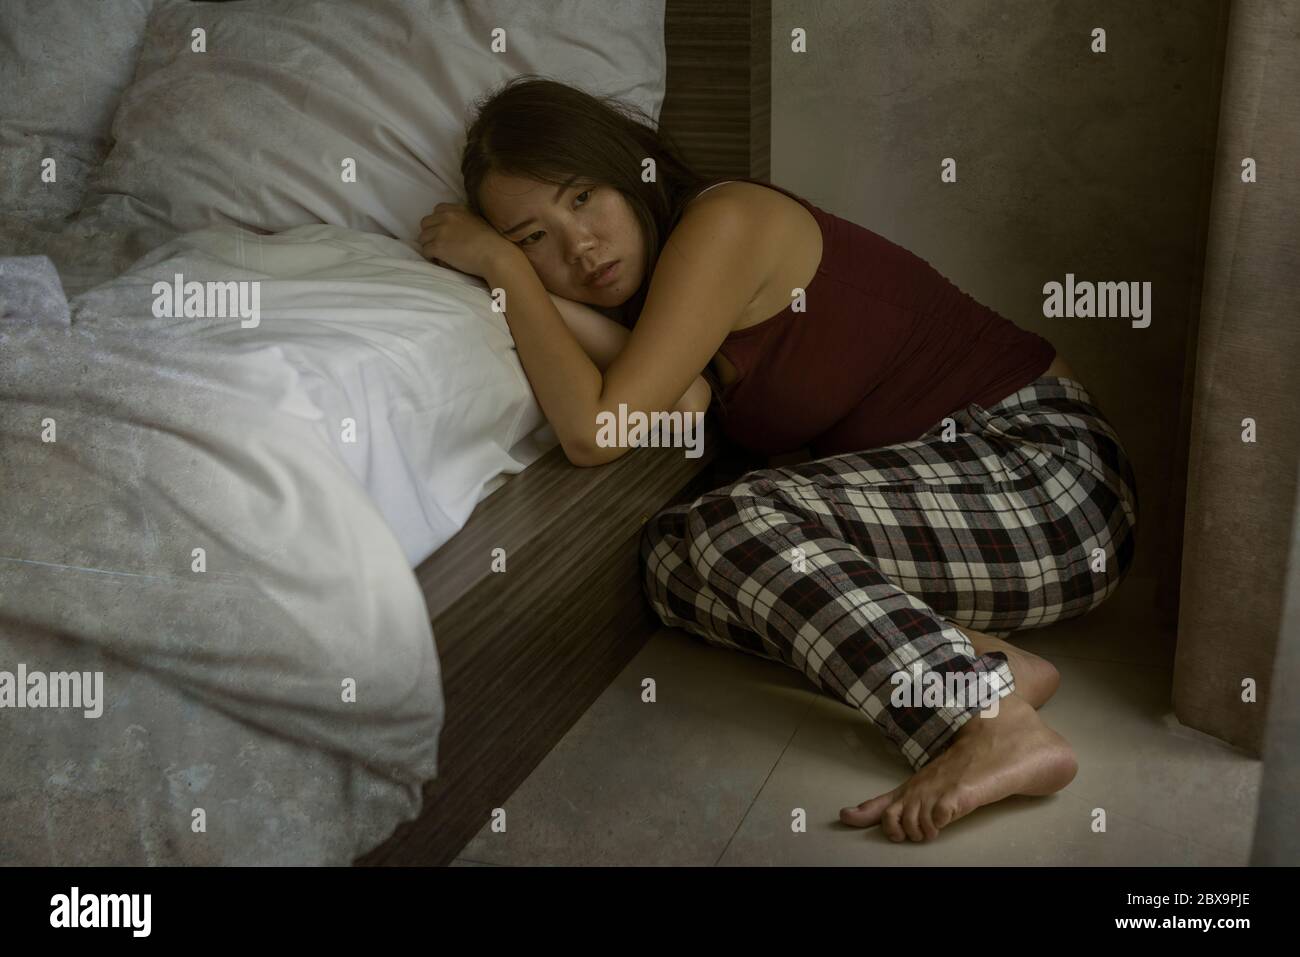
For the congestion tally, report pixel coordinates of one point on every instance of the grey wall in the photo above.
(1067, 161)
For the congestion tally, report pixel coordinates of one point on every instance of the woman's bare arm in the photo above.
(603, 339)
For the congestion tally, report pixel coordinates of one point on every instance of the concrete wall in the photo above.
(1099, 164)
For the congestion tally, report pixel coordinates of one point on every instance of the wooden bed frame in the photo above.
(525, 652)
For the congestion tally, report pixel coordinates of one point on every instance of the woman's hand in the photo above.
(453, 236)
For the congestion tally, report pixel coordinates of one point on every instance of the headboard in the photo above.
(719, 99)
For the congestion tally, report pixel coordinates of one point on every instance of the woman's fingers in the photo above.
(431, 219)
(430, 227)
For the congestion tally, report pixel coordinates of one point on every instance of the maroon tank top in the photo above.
(885, 350)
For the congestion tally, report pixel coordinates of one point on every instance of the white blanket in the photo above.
(120, 457)
(276, 696)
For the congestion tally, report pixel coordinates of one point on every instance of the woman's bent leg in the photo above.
(853, 568)
(746, 568)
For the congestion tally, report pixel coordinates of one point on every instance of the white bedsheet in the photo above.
(409, 351)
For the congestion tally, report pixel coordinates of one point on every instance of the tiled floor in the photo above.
(711, 771)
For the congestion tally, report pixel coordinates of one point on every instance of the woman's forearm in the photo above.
(603, 339)
(567, 383)
(697, 397)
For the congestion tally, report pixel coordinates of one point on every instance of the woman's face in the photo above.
(569, 232)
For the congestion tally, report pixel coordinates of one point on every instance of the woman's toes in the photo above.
(945, 811)
(891, 822)
(903, 816)
(867, 814)
(911, 822)
(927, 821)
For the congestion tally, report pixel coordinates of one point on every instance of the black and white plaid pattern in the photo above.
(997, 530)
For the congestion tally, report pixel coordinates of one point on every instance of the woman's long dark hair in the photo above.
(549, 131)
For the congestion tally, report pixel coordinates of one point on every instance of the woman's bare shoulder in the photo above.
(772, 219)
(741, 195)
(775, 218)
(785, 238)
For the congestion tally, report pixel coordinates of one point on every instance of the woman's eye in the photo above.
(540, 232)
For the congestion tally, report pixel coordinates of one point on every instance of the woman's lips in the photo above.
(608, 276)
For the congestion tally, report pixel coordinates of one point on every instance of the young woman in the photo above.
(964, 484)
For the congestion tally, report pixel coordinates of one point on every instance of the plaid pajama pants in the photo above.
(853, 568)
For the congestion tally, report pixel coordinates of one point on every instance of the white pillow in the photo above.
(63, 66)
(256, 130)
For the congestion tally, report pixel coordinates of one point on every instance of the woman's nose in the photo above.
(579, 246)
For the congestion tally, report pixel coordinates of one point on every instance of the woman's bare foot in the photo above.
(1036, 678)
(990, 758)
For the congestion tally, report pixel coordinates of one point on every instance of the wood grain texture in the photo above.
(718, 100)
(760, 89)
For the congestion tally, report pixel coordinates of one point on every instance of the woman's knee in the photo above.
(716, 516)
(662, 535)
